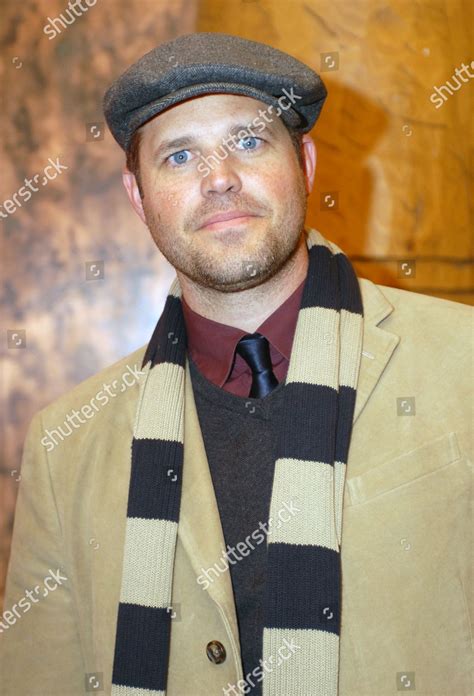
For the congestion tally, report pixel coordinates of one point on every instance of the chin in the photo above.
(245, 282)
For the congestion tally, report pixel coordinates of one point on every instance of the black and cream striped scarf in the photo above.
(303, 589)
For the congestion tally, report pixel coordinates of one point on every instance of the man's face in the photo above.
(189, 175)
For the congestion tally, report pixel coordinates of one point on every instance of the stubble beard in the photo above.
(228, 270)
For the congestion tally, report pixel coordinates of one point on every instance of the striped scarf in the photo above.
(303, 583)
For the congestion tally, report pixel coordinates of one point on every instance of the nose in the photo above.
(222, 177)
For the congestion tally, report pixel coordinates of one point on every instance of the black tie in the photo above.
(255, 350)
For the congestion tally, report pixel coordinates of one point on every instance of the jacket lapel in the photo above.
(378, 344)
(200, 529)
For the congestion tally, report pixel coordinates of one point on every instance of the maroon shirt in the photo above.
(211, 345)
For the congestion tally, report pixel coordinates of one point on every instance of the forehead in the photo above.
(211, 111)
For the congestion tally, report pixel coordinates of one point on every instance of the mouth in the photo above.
(227, 220)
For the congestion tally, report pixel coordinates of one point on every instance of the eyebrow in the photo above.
(188, 140)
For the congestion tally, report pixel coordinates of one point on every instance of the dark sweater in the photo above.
(239, 436)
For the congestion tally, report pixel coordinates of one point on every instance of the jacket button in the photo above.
(215, 652)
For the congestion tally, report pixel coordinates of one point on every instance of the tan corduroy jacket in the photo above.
(407, 527)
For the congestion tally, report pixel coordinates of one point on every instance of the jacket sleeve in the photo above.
(39, 644)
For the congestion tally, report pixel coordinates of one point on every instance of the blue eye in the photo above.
(179, 156)
(249, 138)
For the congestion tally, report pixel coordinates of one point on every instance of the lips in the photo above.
(230, 215)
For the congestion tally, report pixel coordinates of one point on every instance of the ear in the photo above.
(131, 186)
(309, 159)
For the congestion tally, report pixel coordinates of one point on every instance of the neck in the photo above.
(248, 309)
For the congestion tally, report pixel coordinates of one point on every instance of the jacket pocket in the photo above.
(404, 469)
(406, 555)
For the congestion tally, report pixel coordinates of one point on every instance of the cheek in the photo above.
(163, 198)
(166, 204)
(274, 187)
(171, 202)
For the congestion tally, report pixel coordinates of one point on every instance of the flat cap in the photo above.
(208, 63)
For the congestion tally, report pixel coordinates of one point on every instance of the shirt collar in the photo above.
(211, 345)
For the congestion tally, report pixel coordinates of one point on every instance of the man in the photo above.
(271, 496)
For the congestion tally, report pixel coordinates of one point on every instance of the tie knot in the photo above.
(255, 350)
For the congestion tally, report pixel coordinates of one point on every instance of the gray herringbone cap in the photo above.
(208, 63)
